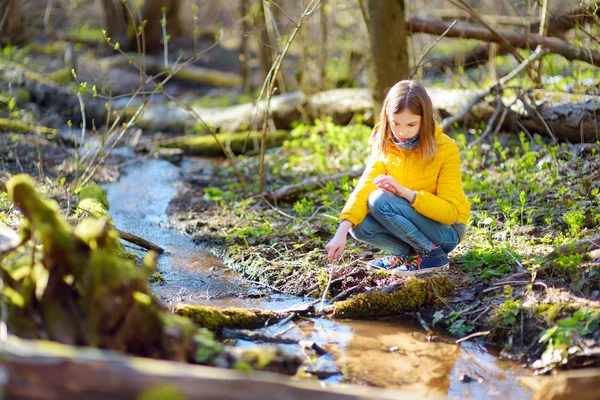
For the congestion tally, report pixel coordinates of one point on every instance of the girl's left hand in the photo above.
(388, 183)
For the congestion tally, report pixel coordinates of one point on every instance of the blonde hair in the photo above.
(412, 96)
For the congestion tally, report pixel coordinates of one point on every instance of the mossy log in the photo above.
(241, 142)
(47, 93)
(51, 371)
(18, 126)
(415, 294)
(214, 319)
(79, 291)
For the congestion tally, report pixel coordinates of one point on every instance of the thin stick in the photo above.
(163, 24)
(272, 75)
(422, 322)
(472, 335)
(344, 294)
(332, 267)
(490, 123)
(495, 87)
(82, 106)
(431, 46)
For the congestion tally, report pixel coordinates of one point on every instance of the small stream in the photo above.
(381, 353)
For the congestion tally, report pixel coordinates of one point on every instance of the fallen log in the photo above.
(238, 143)
(213, 318)
(18, 126)
(46, 93)
(558, 25)
(516, 39)
(414, 294)
(189, 73)
(583, 246)
(51, 371)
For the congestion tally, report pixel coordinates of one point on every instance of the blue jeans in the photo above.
(395, 226)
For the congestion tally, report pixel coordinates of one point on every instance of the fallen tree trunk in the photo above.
(557, 26)
(50, 371)
(516, 39)
(189, 73)
(47, 94)
(238, 143)
(583, 246)
(567, 114)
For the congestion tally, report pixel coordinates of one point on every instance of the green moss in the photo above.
(157, 278)
(62, 76)
(238, 142)
(415, 294)
(93, 201)
(214, 318)
(13, 125)
(162, 392)
(550, 312)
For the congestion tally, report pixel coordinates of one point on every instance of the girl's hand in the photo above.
(335, 247)
(388, 183)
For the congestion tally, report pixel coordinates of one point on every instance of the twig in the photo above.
(505, 43)
(482, 313)
(312, 6)
(344, 294)
(332, 267)
(490, 123)
(422, 322)
(163, 24)
(286, 320)
(542, 120)
(431, 46)
(129, 237)
(472, 335)
(83, 121)
(495, 87)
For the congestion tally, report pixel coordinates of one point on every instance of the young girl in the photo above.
(409, 200)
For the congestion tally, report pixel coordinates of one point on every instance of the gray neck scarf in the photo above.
(409, 144)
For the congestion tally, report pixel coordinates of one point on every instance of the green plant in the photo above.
(574, 219)
(490, 262)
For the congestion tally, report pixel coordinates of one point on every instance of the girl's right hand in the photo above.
(335, 247)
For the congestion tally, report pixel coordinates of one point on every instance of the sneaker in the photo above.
(436, 260)
(386, 263)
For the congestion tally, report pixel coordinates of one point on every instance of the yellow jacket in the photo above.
(440, 194)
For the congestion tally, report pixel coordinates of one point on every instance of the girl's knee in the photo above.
(381, 201)
(359, 233)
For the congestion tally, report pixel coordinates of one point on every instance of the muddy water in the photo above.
(379, 353)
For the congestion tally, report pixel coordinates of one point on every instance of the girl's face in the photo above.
(405, 125)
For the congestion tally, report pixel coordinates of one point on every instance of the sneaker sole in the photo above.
(420, 272)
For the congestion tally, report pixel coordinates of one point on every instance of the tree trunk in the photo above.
(244, 51)
(323, 55)
(388, 47)
(265, 56)
(516, 39)
(152, 14)
(11, 26)
(115, 20)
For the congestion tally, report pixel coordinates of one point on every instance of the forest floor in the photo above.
(528, 197)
